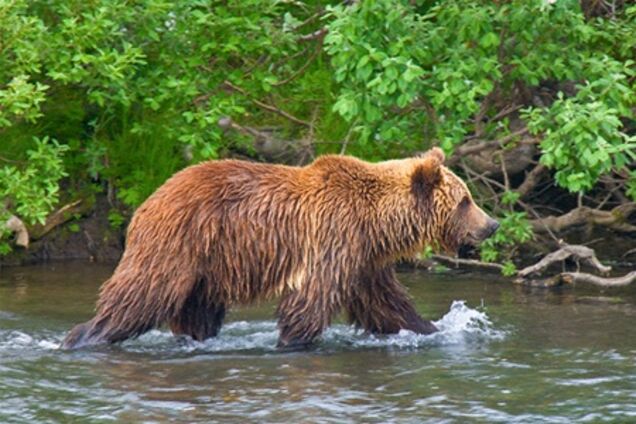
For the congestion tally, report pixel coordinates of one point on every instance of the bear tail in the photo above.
(76, 338)
(93, 332)
(103, 329)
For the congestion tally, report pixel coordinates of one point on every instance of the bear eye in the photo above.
(465, 202)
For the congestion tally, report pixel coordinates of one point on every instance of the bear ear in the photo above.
(428, 172)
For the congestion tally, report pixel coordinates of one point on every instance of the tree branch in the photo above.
(266, 106)
(320, 33)
(580, 253)
(614, 219)
(467, 263)
(582, 277)
(532, 179)
(304, 66)
(470, 149)
(59, 217)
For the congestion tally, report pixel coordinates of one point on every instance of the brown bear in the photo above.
(324, 237)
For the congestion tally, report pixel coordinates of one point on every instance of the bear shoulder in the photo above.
(352, 178)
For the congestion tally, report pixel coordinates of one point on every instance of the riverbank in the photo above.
(89, 237)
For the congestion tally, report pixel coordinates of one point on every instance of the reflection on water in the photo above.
(505, 354)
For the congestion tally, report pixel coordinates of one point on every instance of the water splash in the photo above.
(15, 341)
(460, 325)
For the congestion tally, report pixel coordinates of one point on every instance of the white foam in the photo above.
(19, 341)
(460, 325)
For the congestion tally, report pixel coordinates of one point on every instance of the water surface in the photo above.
(505, 354)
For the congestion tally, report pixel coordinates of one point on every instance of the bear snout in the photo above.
(487, 230)
(491, 227)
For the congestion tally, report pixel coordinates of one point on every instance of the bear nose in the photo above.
(492, 226)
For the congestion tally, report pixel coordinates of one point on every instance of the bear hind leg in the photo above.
(198, 318)
(199, 322)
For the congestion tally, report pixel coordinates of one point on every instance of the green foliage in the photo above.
(509, 268)
(21, 41)
(134, 91)
(115, 219)
(582, 135)
(151, 77)
(631, 186)
(31, 191)
(514, 229)
(428, 252)
(453, 56)
(376, 70)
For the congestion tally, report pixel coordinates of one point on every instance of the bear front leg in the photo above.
(302, 317)
(381, 305)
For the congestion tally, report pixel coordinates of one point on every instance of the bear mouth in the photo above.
(467, 251)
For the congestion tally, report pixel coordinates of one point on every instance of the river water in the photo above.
(505, 354)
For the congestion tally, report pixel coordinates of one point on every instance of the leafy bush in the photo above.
(135, 91)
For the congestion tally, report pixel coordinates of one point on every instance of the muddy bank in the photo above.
(90, 237)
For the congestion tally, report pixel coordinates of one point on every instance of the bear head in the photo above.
(458, 224)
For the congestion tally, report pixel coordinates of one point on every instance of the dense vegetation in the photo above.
(533, 100)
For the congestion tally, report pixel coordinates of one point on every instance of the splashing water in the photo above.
(460, 325)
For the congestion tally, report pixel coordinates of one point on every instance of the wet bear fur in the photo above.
(323, 238)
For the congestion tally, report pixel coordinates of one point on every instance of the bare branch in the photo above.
(532, 179)
(266, 106)
(59, 217)
(469, 149)
(320, 33)
(304, 66)
(614, 219)
(345, 142)
(505, 112)
(467, 263)
(226, 123)
(504, 171)
(580, 253)
(583, 277)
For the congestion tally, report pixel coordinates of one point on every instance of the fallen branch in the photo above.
(226, 123)
(467, 263)
(59, 217)
(578, 252)
(614, 219)
(583, 277)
